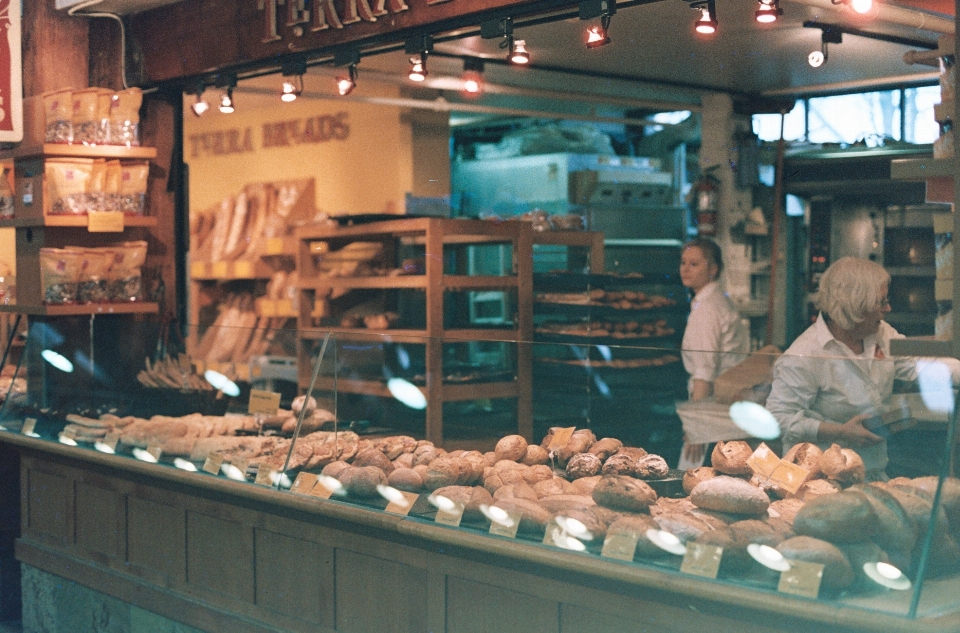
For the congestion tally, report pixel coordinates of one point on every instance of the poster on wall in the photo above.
(11, 75)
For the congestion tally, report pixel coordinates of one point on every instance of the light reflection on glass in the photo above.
(57, 360)
(667, 542)
(886, 575)
(69, 441)
(222, 383)
(497, 515)
(936, 385)
(232, 472)
(768, 557)
(574, 528)
(407, 393)
(403, 357)
(281, 479)
(442, 503)
(605, 352)
(185, 464)
(104, 448)
(755, 420)
(331, 484)
(601, 385)
(568, 542)
(144, 456)
(392, 495)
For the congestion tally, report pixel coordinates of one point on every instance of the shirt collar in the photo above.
(824, 337)
(707, 290)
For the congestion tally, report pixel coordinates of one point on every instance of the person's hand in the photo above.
(855, 434)
(693, 453)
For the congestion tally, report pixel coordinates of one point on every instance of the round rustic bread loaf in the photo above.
(516, 491)
(695, 475)
(807, 456)
(562, 503)
(595, 528)
(535, 455)
(623, 493)
(404, 460)
(651, 467)
(583, 465)
(619, 464)
(785, 509)
(472, 497)
(373, 457)
(333, 469)
(553, 486)
(731, 458)
(949, 497)
(837, 572)
(896, 531)
(405, 479)
(634, 452)
(425, 454)
(533, 516)
(537, 473)
(844, 517)
(684, 526)
(729, 494)
(755, 531)
(843, 465)
(362, 481)
(580, 442)
(512, 447)
(489, 459)
(584, 485)
(606, 447)
(444, 471)
(474, 459)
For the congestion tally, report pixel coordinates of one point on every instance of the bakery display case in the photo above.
(801, 531)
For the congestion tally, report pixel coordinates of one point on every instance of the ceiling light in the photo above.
(768, 11)
(345, 85)
(418, 68)
(817, 58)
(419, 46)
(707, 23)
(597, 35)
(226, 101)
(861, 6)
(827, 36)
(472, 76)
(291, 89)
(519, 54)
(293, 70)
(199, 107)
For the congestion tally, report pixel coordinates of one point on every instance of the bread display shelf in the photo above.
(379, 282)
(73, 221)
(402, 335)
(133, 307)
(230, 270)
(452, 391)
(51, 150)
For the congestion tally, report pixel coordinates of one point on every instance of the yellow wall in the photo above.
(368, 172)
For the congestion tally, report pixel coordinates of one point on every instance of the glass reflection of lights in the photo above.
(602, 386)
(403, 357)
(407, 393)
(331, 484)
(222, 383)
(280, 479)
(574, 528)
(667, 542)
(755, 420)
(886, 575)
(861, 6)
(185, 464)
(392, 495)
(232, 472)
(605, 352)
(57, 360)
(69, 441)
(144, 456)
(497, 515)
(768, 557)
(566, 541)
(442, 503)
(936, 385)
(104, 448)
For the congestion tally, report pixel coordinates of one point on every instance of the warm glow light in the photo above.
(226, 102)
(222, 383)
(766, 13)
(755, 420)
(520, 55)
(407, 393)
(706, 25)
(768, 557)
(886, 575)
(57, 360)
(289, 92)
(199, 107)
(442, 503)
(472, 84)
(816, 59)
(345, 85)
(667, 542)
(861, 6)
(597, 37)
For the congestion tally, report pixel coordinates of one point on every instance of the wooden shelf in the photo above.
(133, 307)
(230, 270)
(452, 392)
(921, 168)
(349, 283)
(72, 221)
(79, 151)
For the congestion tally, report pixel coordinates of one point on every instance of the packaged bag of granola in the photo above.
(92, 279)
(125, 271)
(133, 188)
(84, 117)
(67, 184)
(104, 101)
(111, 186)
(59, 271)
(58, 109)
(125, 117)
(6, 193)
(96, 186)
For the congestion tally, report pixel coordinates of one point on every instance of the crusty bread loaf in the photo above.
(533, 516)
(583, 465)
(606, 447)
(815, 488)
(896, 531)
(837, 572)
(516, 491)
(785, 509)
(404, 460)
(511, 447)
(638, 524)
(405, 479)
(695, 475)
(554, 486)
(730, 458)
(444, 471)
(535, 455)
(844, 517)
(536, 473)
(685, 527)
(843, 465)
(807, 456)
(561, 503)
(595, 529)
(580, 442)
(729, 494)
(363, 481)
(623, 493)
(585, 485)
(619, 464)
(651, 467)
(373, 457)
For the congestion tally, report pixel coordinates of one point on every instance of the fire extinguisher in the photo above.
(706, 195)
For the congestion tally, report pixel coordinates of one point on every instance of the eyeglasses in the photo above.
(884, 303)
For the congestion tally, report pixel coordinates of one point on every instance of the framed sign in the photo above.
(11, 74)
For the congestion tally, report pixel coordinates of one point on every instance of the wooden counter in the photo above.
(220, 555)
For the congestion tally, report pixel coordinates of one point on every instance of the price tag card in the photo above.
(702, 560)
(789, 476)
(155, 452)
(263, 402)
(509, 527)
(241, 464)
(620, 545)
(560, 438)
(213, 463)
(28, 426)
(219, 269)
(802, 579)
(264, 476)
(553, 533)
(69, 433)
(451, 516)
(105, 221)
(763, 461)
(304, 483)
(319, 490)
(402, 507)
(111, 440)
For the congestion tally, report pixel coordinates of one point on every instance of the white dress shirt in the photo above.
(715, 338)
(819, 378)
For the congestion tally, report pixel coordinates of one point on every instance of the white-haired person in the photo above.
(715, 338)
(840, 371)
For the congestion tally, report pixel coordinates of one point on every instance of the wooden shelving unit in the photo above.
(91, 309)
(434, 234)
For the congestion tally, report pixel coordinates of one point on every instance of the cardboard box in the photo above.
(748, 379)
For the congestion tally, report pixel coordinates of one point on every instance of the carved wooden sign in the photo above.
(196, 36)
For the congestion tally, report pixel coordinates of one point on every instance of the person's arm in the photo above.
(701, 389)
(850, 433)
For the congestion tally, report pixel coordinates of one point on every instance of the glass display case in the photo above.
(874, 527)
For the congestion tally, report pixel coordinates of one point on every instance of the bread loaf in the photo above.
(623, 493)
(844, 517)
(533, 516)
(516, 491)
(363, 481)
(729, 494)
(405, 479)
(651, 467)
(694, 476)
(619, 464)
(585, 485)
(807, 456)
(583, 465)
(731, 458)
(373, 457)
(535, 455)
(837, 572)
(511, 447)
(843, 465)
(637, 525)
(606, 447)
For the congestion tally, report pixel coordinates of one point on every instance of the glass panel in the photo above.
(921, 126)
(767, 126)
(869, 117)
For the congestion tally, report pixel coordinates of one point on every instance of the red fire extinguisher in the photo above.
(706, 195)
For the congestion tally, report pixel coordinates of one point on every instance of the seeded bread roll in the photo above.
(651, 467)
(635, 452)
(511, 447)
(623, 493)
(619, 464)
(363, 481)
(843, 465)
(844, 517)
(606, 447)
(535, 455)
(695, 475)
(405, 479)
(729, 494)
(837, 572)
(731, 458)
(583, 465)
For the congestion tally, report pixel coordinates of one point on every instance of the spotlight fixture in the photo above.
(597, 35)
(768, 11)
(707, 23)
(227, 83)
(827, 36)
(859, 6)
(293, 71)
(519, 54)
(472, 76)
(199, 107)
(349, 58)
(420, 48)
